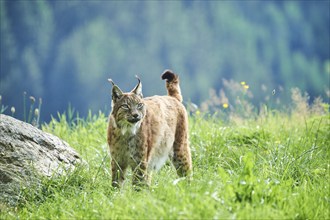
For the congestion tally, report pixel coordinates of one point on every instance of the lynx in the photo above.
(144, 132)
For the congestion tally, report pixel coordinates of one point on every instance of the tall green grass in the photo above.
(273, 167)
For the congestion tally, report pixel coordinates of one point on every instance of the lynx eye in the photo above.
(124, 106)
(140, 106)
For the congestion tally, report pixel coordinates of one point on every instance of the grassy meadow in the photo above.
(275, 165)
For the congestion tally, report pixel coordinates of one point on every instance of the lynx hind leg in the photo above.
(182, 158)
(118, 174)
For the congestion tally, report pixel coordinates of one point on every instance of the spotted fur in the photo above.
(144, 132)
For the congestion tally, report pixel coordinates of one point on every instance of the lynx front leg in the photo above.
(140, 175)
(118, 173)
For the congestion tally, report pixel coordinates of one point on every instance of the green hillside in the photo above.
(64, 51)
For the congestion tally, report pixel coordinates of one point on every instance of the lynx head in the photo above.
(128, 109)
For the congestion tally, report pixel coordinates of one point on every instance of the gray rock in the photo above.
(27, 153)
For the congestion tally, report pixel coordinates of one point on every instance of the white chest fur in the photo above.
(130, 128)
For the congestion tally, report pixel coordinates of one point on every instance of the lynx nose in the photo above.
(135, 117)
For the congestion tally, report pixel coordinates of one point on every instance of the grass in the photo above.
(273, 167)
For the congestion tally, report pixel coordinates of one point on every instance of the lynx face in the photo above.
(129, 112)
(128, 109)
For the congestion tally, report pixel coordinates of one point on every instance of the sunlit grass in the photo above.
(273, 167)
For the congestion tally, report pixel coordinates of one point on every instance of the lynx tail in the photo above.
(172, 84)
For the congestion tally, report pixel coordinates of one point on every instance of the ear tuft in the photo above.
(110, 80)
(138, 88)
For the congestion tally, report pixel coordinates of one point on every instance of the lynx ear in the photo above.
(116, 92)
(138, 88)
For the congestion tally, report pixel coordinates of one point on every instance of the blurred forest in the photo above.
(64, 51)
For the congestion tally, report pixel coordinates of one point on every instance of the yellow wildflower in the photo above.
(243, 83)
(225, 105)
(246, 86)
